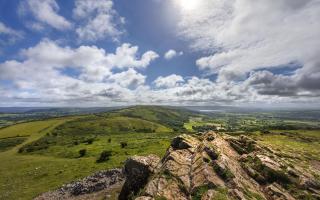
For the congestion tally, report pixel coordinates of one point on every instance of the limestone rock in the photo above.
(137, 170)
(87, 187)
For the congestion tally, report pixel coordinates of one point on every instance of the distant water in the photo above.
(211, 110)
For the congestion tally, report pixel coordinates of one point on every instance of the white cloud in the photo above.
(40, 75)
(126, 56)
(129, 78)
(171, 54)
(10, 34)
(7, 30)
(170, 81)
(249, 35)
(45, 12)
(99, 19)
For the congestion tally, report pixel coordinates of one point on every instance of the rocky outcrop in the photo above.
(212, 166)
(87, 188)
(137, 169)
(204, 166)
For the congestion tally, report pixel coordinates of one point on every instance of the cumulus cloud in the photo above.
(99, 19)
(45, 12)
(126, 56)
(246, 36)
(39, 74)
(170, 81)
(171, 54)
(129, 78)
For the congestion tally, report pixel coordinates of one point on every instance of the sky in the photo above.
(165, 52)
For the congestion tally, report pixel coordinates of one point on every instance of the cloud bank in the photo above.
(249, 39)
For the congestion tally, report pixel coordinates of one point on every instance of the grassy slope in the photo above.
(47, 169)
(302, 143)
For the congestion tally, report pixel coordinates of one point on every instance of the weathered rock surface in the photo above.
(137, 170)
(87, 188)
(211, 166)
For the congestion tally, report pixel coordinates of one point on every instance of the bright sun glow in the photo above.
(188, 4)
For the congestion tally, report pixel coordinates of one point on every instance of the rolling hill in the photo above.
(46, 154)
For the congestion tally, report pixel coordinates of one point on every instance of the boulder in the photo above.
(137, 170)
(184, 142)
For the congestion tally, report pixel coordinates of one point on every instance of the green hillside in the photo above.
(46, 153)
(168, 116)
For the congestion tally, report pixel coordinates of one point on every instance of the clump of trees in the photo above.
(104, 156)
(89, 140)
(145, 130)
(41, 144)
(123, 144)
(204, 128)
(82, 152)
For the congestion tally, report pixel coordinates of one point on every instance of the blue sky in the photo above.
(176, 52)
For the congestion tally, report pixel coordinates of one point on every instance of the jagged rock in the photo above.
(184, 142)
(137, 170)
(99, 181)
(243, 144)
(275, 191)
(167, 187)
(236, 194)
(194, 166)
(265, 169)
(307, 183)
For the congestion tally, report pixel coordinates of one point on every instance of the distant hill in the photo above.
(54, 110)
(173, 117)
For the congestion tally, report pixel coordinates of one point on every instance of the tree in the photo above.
(123, 144)
(82, 152)
(104, 156)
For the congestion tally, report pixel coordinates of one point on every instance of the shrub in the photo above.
(123, 144)
(109, 140)
(82, 152)
(89, 141)
(104, 156)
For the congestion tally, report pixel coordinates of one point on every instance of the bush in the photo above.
(109, 140)
(89, 141)
(82, 152)
(123, 144)
(104, 156)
